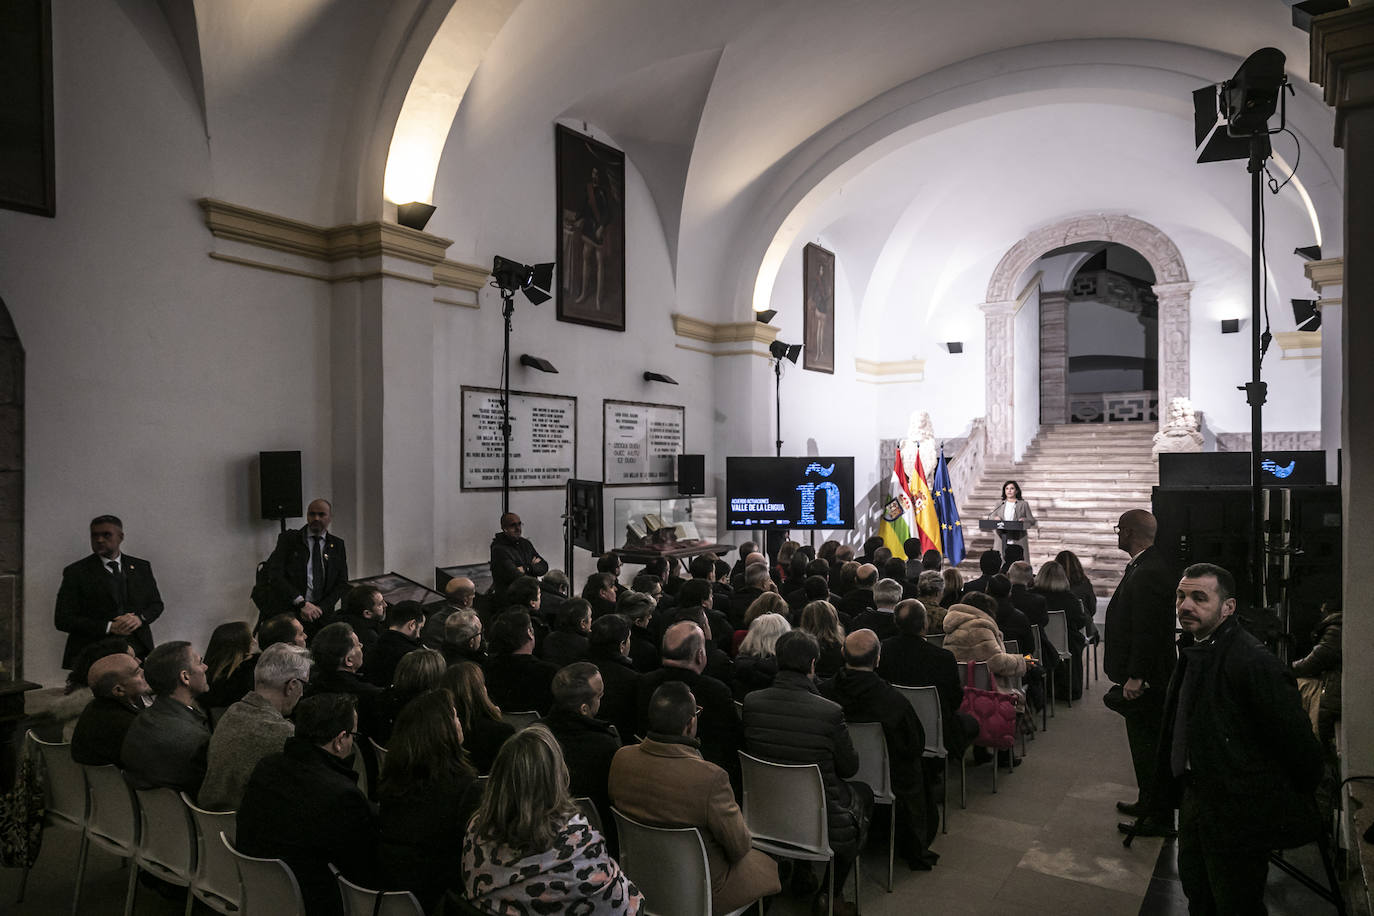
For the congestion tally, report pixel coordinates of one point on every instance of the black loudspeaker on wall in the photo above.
(279, 483)
(691, 475)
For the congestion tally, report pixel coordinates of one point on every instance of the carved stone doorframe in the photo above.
(1172, 286)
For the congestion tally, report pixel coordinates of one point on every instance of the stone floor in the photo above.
(1046, 843)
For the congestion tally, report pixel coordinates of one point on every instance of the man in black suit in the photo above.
(1138, 652)
(990, 564)
(910, 660)
(309, 568)
(107, 593)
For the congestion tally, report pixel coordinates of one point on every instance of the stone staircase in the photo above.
(1078, 479)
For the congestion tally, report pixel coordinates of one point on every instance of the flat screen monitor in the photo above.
(789, 493)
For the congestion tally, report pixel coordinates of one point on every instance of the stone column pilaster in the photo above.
(1175, 333)
(998, 365)
(1054, 357)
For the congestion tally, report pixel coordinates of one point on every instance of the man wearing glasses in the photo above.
(255, 726)
(512, 555)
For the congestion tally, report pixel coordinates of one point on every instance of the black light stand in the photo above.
(780, 351)
(534, 281)
(1256, 390)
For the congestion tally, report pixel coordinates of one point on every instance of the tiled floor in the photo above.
(1046, 843)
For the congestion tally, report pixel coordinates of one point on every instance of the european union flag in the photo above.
(951, 530)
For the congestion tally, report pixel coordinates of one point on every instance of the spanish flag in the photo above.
(923, 506)
(899, 519)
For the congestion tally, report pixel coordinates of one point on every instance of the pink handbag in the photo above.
(995, 712)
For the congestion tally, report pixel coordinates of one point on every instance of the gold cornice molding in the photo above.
(891, 371)
(1300, 344)
(283, 234)
(1324, 273)
(1342, 58)
(686, 326)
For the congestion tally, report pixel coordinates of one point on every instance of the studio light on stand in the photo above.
(1231, 121)
(781, 351)
(1306, 314)
(534, 281)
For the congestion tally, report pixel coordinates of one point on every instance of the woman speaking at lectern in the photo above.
(1013, 508)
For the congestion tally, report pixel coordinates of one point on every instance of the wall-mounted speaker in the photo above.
(279, 484)
(691, 475)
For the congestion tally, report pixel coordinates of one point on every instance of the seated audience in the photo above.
(954, 587)
(567, 643)
(524, 594)
(231, 647)
(754, 582)
(756, 665)
(930, 589)
(767, 603)
(866, 697)
(670, 755)
(554, 590)
(460, 594)
(1013, 554)
(463, 638)
(77, 694)
(419, 671)
(255, 726)
(1081, 587)
(1013, 624)
(429, 790)
(283, 628)
(364, 609)
(719, 665)
(601, 592)
(529, 849)
(791, 722)
(303, 805)
(915, 560)
(516, 680)
(870, 550)
(886, 594)
(990, 563)
(610, 563)
(119, 693)
(483, 729)
(807, 590)
(845, 576)
(684, 659)
(401, 637)
(910, 660)
(1052, 584)
(971, 634)
(1028, 602)
(588, 743)
(931, 559)
(639, 610)
(338, 656)
(818, 618)
(609, 646)
(698, 594)
(166, 743)
(893, 568)
(651, 585)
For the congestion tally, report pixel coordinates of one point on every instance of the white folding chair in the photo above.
(266, 885)
(64, 792)
(983, 680)
(875, 769)
(216, 879)
(111, 819)
(361, 901)
(668, 865)
(784, 806)
(926, 702)
(166, 845)
(378, 752)
(936, 639)
(1057, 630)
(588, 809)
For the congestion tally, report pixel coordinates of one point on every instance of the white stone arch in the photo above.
(1172, 286)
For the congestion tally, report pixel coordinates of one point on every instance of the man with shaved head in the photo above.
(860, 598)
(683, 652)
(309, 568)
(120, 694)
(866, 697)
(1138, 655)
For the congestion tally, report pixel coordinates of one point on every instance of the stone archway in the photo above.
(1171, 286)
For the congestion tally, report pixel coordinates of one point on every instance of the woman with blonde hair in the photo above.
(756, 665)
(767, 603)
(416, 672)
(954, 587)
(820, 620)
(484, 731)
(530, 850)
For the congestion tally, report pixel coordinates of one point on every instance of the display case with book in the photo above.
(651, 524)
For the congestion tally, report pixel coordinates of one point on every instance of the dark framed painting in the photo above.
(591, 230)
(818, 309)
(26, 114)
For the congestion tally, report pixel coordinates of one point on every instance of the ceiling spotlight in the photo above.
(534, 281)
(780, 350)
(1309, 253)
(1306, 314)
(1230, 325)
(534, 362)
(955, 346)
(414, 215)
(765, 316)
(659, 377)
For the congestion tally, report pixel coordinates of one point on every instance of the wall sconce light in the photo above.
(1230, 325)
(955, 346)
(534, 362)
(414, 215)
(765, 316)
(659, 377)
(1309, 253)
